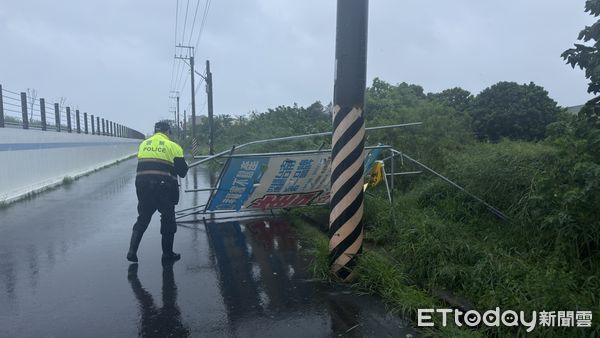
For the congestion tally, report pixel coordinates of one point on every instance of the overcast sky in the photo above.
(114, 58)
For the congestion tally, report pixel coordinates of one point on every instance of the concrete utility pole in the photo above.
(190, 58)
(211, 125)
(209, 94)
(193, 86)
(174, 112)
(178, 130)
(184, 122)
(347, 154)
(176, 93)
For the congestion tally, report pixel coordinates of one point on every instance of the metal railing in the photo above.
(22, 110)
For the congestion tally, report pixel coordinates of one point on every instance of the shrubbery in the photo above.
(545, 177)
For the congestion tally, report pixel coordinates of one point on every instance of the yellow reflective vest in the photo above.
(158, 155)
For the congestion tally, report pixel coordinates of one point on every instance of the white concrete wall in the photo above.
(32, 160)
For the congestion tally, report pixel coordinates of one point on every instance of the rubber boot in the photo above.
(136, 238)
(167, 248)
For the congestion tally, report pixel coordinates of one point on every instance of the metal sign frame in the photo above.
(201, 210)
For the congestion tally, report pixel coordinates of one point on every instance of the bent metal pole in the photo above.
(345, 217)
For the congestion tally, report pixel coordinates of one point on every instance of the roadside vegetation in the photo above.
(512, 146)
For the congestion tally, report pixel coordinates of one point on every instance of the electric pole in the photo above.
(348, 138)
(178, 129)
(190, 58)
(209, 92)
(176, 93)
(174, 112)
(184, 123)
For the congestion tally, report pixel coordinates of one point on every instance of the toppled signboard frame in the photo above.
(251, 184)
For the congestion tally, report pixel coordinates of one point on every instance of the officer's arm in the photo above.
(181, 167)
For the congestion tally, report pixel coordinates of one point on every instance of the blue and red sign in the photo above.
(275, 181)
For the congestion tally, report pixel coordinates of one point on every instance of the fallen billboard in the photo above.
(273, 182)
(276, 181)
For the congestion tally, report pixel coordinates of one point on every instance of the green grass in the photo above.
(482, 259)
(68, 180)
(376, 275)
(485, 261)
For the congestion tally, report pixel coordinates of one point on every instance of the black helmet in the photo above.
(162, 127)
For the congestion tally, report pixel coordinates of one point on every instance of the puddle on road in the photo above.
(63, 271)
(264, 289)
(265, 283)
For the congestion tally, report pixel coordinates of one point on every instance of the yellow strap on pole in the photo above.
(375, 175)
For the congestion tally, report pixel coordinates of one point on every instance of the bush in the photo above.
(501, 174)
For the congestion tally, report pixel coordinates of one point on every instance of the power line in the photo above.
(178, 85)
(180, 81)
(189, 40)
(185, 21)
(181, 70)
(194, 22)
(184, 83)
(179, 76)
(203, 105)
(178, 88)
(197, 89)
(204, 16)
(175, 49)
(176, 19)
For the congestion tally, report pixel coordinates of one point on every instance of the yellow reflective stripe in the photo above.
(155, 160)
(154, 172)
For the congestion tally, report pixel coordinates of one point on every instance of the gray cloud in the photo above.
(115, 57)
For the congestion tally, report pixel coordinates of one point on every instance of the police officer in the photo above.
(160, 161)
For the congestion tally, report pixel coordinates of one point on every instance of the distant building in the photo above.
(574, 109)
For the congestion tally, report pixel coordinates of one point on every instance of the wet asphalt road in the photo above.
(63, 273)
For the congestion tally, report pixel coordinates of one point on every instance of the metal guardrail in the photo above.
(22, 110)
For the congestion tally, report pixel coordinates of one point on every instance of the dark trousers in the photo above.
(156, 195)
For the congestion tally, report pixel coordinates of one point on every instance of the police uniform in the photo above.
(160, 161)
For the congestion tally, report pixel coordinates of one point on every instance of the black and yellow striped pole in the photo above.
(345, 217)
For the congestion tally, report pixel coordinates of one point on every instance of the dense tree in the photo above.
(566, 199)
(383, 98)
(507, 109)
(445, 128)
(277, 122)
(587, 57)
(456, 98)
